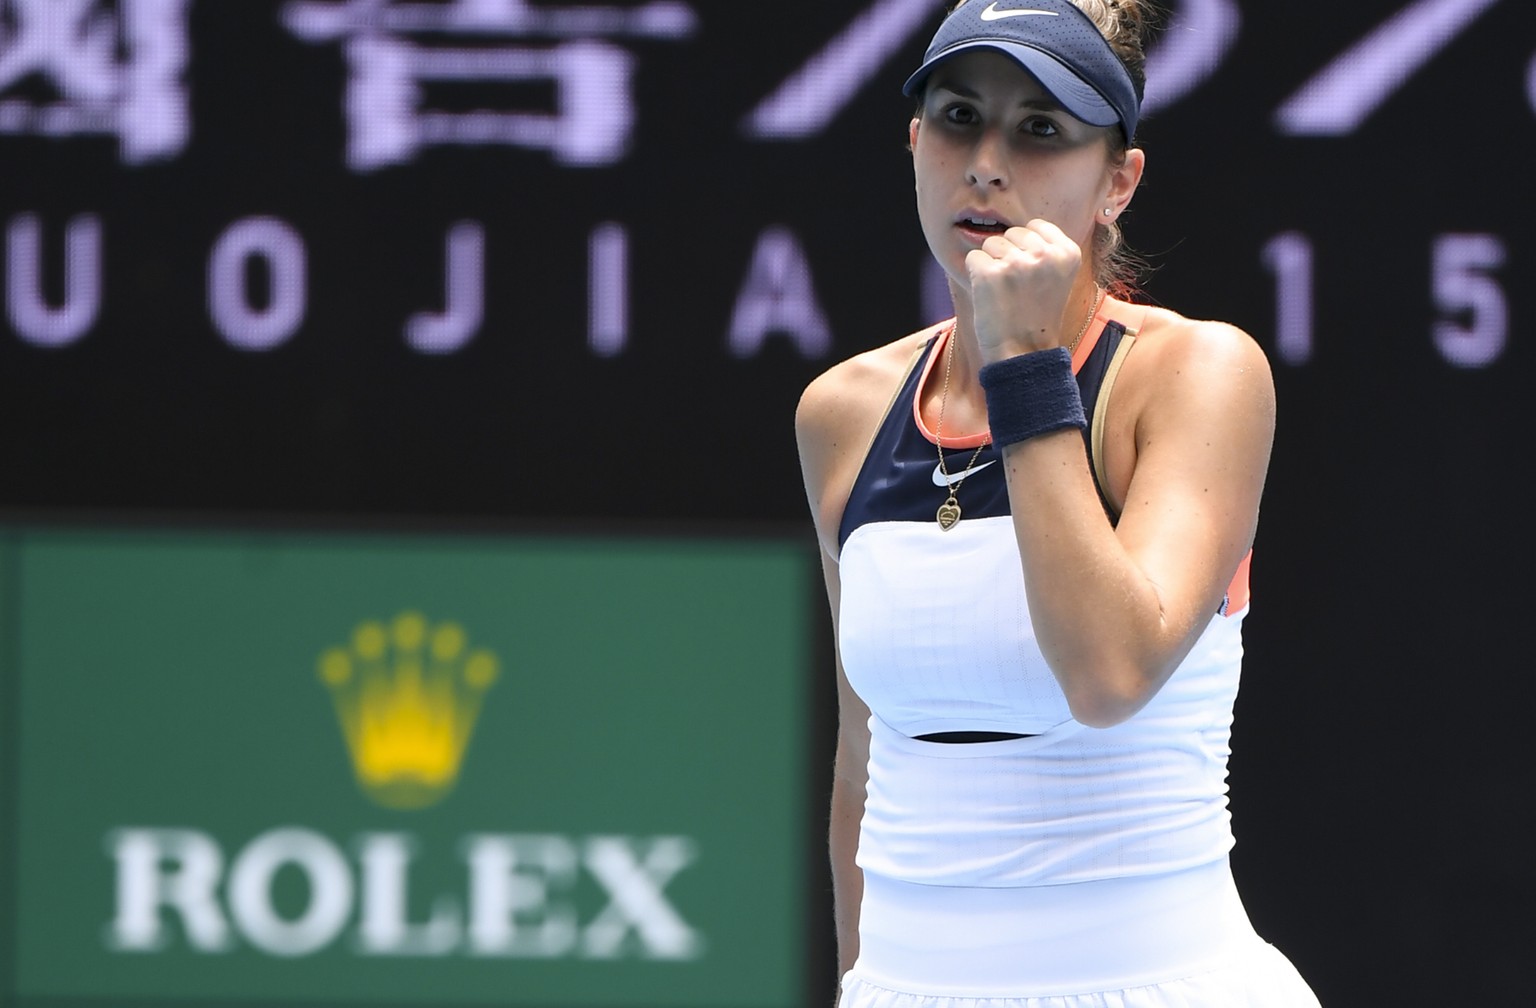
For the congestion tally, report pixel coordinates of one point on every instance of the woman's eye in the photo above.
(960, 114)
(1039, 127)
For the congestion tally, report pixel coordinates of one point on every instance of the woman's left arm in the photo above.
(1116, 608)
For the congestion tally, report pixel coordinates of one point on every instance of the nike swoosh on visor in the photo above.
(993, 14)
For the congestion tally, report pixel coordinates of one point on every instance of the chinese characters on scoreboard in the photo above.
(116, 74)
(118, 70)
(392, 50)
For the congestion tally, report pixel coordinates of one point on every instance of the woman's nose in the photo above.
(989, 162)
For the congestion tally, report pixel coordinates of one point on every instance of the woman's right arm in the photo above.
(835, 419)
(850, 773)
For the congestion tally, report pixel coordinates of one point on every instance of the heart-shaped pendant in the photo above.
(948, 514)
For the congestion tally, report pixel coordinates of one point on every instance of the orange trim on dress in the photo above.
(1237, 591)
(1090, 336)
(946, 330)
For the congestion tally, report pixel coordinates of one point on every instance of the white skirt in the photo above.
(1167, 941)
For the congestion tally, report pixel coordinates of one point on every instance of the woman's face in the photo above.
(992, 149)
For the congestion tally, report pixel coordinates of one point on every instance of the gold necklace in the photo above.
(948, 514)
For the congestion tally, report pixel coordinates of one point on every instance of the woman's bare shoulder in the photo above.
(1199, 370)
(837, 418)
(851, 395)
(1177, 338)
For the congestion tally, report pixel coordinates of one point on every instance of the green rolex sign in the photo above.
(307, 769)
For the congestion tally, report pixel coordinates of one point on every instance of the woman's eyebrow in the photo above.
(1044, 103)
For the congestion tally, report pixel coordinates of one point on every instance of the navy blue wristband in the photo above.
(1032, 394)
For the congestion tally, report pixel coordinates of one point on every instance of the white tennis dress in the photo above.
(1073, 868)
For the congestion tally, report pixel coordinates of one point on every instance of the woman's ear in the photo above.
(1123, 181)
(912, 133)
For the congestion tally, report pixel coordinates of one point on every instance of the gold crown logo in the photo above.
(407, 695)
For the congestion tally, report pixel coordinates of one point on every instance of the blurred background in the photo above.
(406, 589)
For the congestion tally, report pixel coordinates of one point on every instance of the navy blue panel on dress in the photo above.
(900, 479)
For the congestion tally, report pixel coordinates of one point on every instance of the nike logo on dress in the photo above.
(940, 481)
(993, 14)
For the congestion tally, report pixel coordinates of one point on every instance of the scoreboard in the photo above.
(499, 258)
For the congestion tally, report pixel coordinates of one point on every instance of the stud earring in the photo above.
(1109, 212)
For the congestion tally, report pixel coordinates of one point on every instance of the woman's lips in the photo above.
(978, 227)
